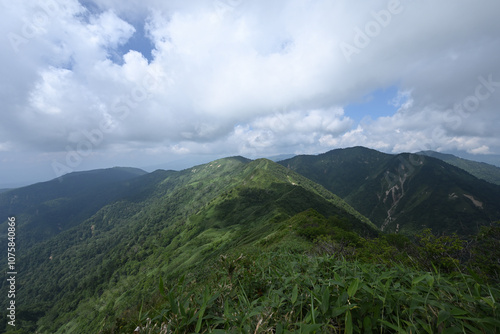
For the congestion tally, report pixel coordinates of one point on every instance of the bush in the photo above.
(440, 252)
(485, 253)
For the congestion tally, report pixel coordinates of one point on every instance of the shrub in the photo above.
(440, 252)
(485, 253)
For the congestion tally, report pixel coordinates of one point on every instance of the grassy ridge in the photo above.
(388, 285)
(84, 278)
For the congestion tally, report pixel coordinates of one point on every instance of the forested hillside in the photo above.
(404, 192)
(45, 209)
(169, 224)
(480, 170)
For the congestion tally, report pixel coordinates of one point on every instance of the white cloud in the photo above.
(248, 76)
(480, 150)
(108, 30)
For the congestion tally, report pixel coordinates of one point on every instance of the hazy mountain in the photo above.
(492, 159)
(47, 208)
(404, 192)
(480, 170)
(280, 157)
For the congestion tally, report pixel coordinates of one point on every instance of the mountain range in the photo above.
(94, 245)
(480, 170)
(404, 192)
(78, 243)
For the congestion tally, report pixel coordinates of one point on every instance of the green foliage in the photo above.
(400, 241)
(315, 227)
(485, 253)
(166, 224)
(440, 252)
(379, 250)
(480, 170)
(404, 192)
(283, 293)
(48, 208)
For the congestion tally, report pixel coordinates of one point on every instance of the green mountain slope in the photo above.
(340, 171)
(480, 170)
(404, 192)
(45, 209)
(165, 224)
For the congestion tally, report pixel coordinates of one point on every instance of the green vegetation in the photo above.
(480, 170)
(405, 192)
(285, 292)
(165, 224)
(48, 208)
(239, 246)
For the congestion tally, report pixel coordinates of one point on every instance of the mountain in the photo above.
(481, 170)
(404, 192)
(280, 157)
(45, 209)
(491, 159)
(108, 259)
(183, 163)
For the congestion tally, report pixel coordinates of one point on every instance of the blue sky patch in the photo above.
(376, 104)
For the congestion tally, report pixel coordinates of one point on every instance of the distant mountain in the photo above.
(280, 157)
(48, 208)
(492, 159)
(161, 224)
(4, 190)
(183, 163)
(404, 192)
(480, 170)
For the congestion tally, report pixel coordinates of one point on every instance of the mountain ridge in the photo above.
(404, 192)
(167, 226)
(59, 201)
(164, 224)
(481, 170)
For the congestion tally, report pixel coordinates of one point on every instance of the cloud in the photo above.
(241, 76)
(294, 130)
(480, 150)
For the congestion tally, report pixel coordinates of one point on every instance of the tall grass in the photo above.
(290, 293)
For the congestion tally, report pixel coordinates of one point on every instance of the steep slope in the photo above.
(82, 279)
(45, 209)
(480, 170)
(404, 192)
(340, 171)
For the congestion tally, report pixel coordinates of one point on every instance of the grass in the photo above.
(264, 292)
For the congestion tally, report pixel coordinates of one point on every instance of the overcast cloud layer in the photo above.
(80, 88)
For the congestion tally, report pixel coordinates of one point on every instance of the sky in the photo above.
(102, 83)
